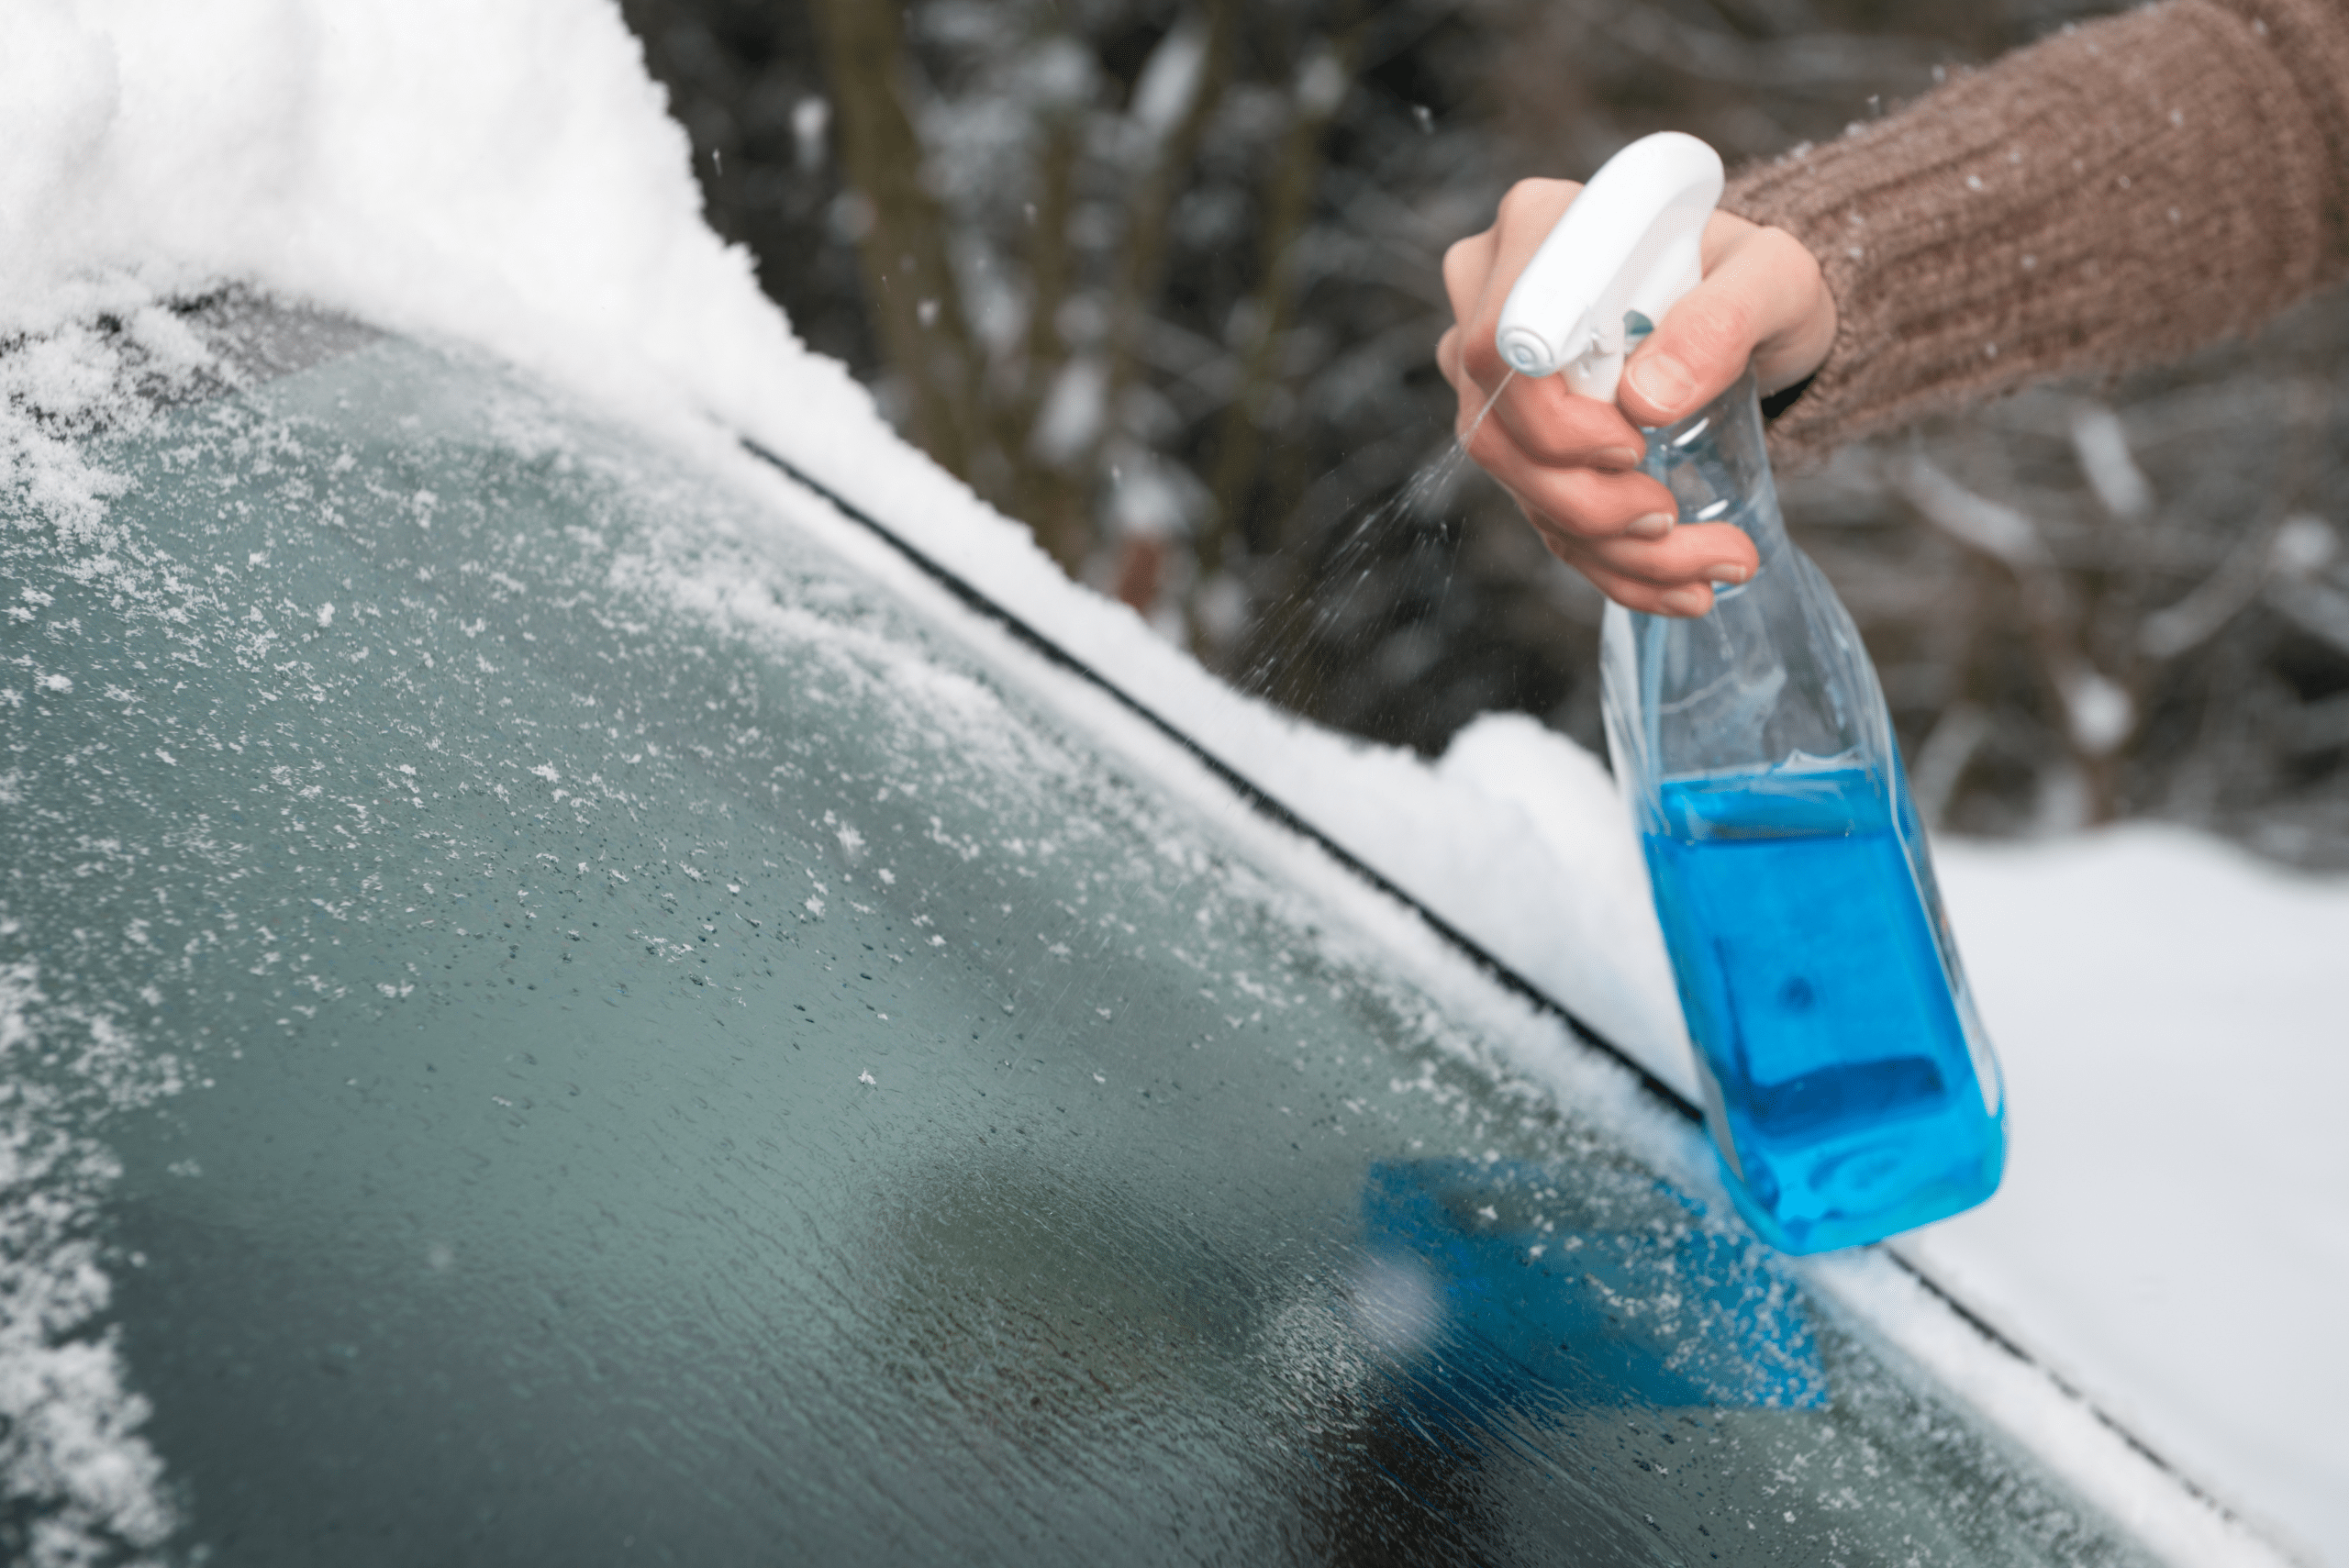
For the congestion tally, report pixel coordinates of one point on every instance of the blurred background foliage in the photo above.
(1161, 279)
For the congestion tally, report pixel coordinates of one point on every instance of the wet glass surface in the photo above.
(580, 1029)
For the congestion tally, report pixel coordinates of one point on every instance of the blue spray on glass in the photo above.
(1848, 1083)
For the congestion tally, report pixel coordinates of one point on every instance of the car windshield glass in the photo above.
(550, 1018)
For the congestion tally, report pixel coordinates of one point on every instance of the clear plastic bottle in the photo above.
(1848, 1083)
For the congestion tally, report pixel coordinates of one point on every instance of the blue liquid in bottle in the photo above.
(1850, 1101)
(1849, 1087)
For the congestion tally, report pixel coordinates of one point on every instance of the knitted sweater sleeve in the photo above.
(2122, 192)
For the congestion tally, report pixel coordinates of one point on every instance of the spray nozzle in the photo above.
(1630, 245)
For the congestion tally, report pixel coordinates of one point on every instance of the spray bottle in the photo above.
(1848, 1083)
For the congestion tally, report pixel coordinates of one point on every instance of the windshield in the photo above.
(550, 1017)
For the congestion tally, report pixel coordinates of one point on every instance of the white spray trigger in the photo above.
(1631, 241)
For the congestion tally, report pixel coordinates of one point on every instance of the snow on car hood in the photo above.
(507, 176)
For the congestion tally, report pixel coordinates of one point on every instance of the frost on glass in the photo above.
(626, 1040)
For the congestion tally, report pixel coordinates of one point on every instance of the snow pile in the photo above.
(503, 175)
(506, 176)
(2171, 1234)
(1532, 852)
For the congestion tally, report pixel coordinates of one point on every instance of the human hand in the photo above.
(1572, 462)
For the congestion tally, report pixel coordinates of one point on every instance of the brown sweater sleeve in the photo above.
(2119, 193)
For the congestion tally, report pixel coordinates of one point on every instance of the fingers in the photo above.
(1579, 500)
(1551, 424)
(1540, 422)
(1578, 484)
(1686, 601)
(1763, 301)
(1467, 264)
(1674, 575)
(1618, 529)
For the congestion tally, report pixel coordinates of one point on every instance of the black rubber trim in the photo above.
(1241, 785)
(2065, 1386)
(1498, 972)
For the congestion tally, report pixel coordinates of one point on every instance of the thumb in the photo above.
(1762, 290)
(1703, 344)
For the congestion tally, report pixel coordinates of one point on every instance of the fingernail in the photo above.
(1729, 573)
(1688, 601)
(1661, 380)
(1655, 525)
(1618, 457)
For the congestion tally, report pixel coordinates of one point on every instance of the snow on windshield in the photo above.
(69, 1425)
(506, 176)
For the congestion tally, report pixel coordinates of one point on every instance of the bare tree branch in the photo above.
(910, 284)
(1143, 272)
(2099, 713)
(1322, 84)
(1043, 495)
